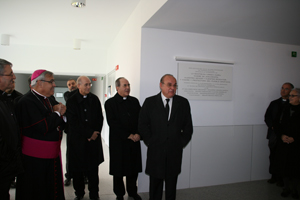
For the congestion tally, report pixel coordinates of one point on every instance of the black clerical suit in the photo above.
(125, 154)
(272, 116)
(10, 146)
(84, 116)
(41, 131)
(165, 140)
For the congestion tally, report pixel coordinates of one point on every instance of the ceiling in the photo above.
(276, 21)
(57, 23)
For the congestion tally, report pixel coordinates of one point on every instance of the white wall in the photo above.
(126, 48)
(229, 142)
(58, 59)
(125, 51)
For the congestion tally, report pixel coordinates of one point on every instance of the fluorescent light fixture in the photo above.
(76, 44)
(78, 3)
(5, 39)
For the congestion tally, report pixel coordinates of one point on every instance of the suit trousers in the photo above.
(93, 183)
(4, 190)
(119, 188)
(156, 188)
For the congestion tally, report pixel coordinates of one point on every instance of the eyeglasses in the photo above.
(88, 84)
(170, 85)
(11, 74)
(51, 81)
(292, 95)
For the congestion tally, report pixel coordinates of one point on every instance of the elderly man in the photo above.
(41, 124)
(165, 124)
(10, 159)
(122, 112)
(85, 121)
(272, 116)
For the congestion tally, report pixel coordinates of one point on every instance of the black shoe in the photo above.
(95, 198)
(78, 198)
(295, 195)
(136, 197)
(67, 182)
(120, 198)
(285, 192)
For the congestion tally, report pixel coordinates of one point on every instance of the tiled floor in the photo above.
(254, 190)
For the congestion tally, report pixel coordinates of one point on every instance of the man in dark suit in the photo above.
(85, 121)
(272, 116)
(10, 143)
(165, 124)
(72, 86)
(122, 113)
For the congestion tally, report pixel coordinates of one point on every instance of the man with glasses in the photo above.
(41, 123)
(165, 124)
(85, 121)
(272, 116)
(10, 159)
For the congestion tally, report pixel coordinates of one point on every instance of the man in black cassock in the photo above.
(85, 122)
(41, 123)
(272, 116)
(122, 113)
(10, 159)
(72, 86)
(11, 96)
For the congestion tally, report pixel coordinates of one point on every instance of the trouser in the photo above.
(156, 188)
(119, 188)
(4, 190)
(93, 183)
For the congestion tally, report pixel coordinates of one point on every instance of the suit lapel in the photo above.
(174, 108)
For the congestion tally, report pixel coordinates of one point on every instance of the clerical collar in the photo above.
(85, 96)
(124, 98)
(39, 94)
(283, 99)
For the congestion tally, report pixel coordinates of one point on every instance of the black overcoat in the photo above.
(84, 116)
(165, 139)
(10, 146)
(122, 118)
(272, 116)
(289, 154)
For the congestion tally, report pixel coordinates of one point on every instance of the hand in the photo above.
(131, 137)
(285, 138)
(137, 137)
(290, 140)
(61, 108)
(94, 136)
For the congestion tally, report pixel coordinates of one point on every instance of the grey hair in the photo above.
(117, 82)
(162, 78)
(40, 77)
(297, 90)
(3, 63)
(78, 82)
